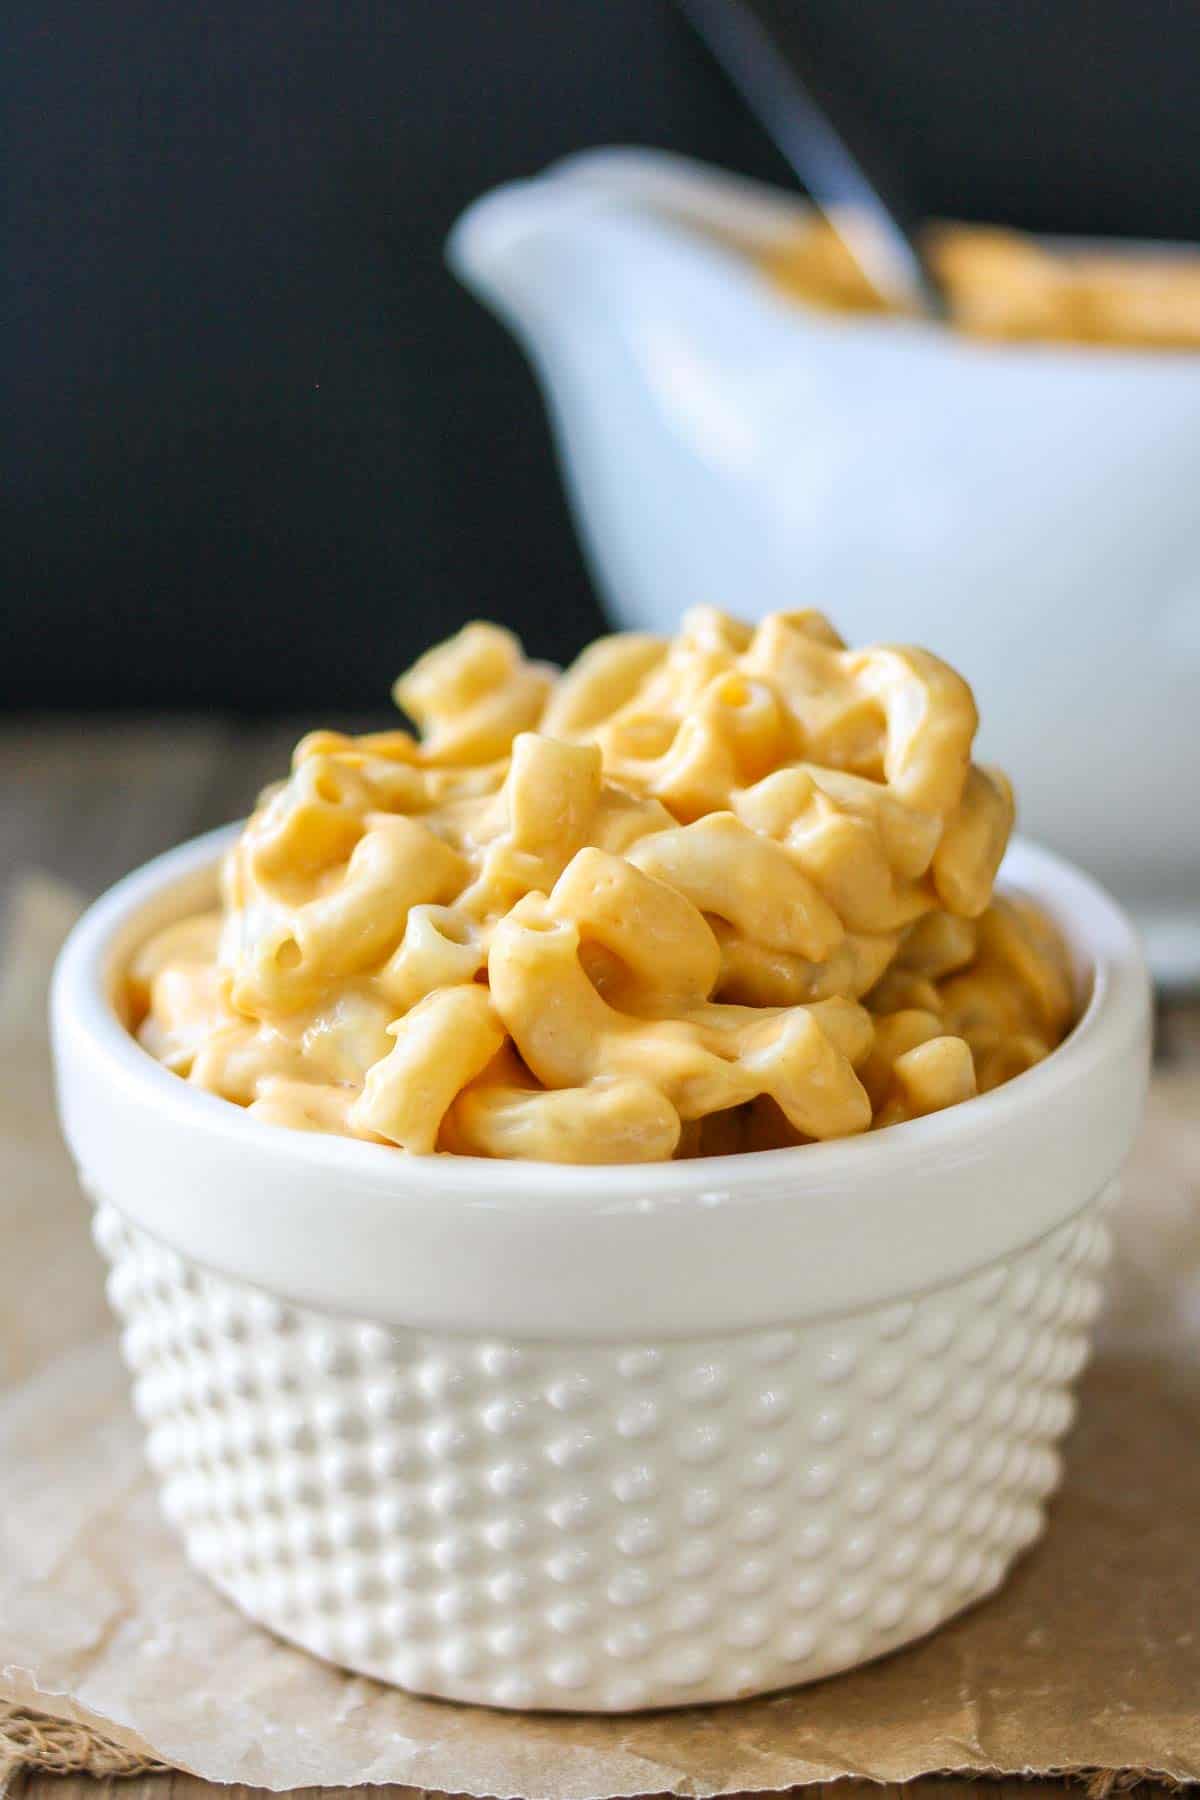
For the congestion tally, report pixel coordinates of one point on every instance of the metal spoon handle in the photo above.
(880, 241)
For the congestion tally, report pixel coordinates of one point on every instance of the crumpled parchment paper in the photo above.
(1089, 1658)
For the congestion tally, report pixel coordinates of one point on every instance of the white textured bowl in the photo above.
(603, 1438)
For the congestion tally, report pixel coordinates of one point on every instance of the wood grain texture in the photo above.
(188, 1787)
(89, 802)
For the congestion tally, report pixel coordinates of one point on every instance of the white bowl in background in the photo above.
(602, 1438)
(1030, 511)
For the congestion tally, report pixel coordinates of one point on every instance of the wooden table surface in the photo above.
(187, 1787)
(87, 803)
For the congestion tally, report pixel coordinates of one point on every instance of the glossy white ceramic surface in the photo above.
(1030, 512)
(611, 1438)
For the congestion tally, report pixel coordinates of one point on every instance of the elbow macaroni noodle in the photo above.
(728, 892)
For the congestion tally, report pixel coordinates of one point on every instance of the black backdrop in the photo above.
(260, 448)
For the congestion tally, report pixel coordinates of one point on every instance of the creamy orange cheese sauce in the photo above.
(1001, 284)
(727, 892)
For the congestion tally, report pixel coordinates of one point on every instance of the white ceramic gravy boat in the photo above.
(1030, 512)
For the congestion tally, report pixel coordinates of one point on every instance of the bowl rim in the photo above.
(615, 1252)
(1107, 948)
(740, 210)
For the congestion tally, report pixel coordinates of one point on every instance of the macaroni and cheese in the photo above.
(728, 892)
(1002, 284)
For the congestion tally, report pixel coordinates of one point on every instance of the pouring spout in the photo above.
(497, 247)
(580, 242)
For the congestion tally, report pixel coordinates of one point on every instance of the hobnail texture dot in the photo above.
(607, 1527)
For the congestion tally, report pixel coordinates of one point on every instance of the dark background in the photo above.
(260, 448)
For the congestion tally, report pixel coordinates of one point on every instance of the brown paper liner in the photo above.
(115, 1659)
